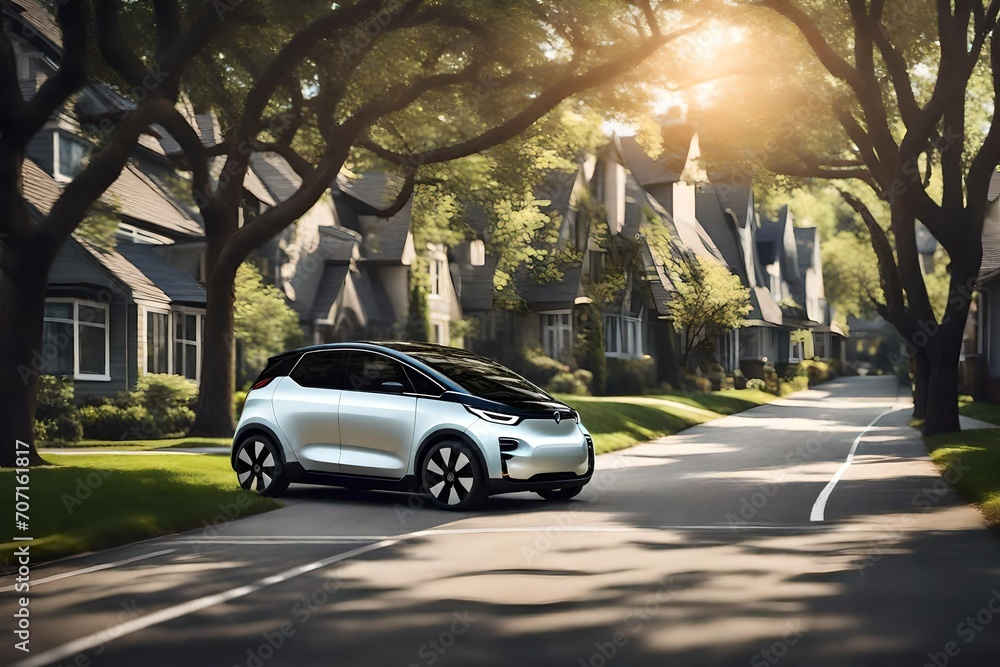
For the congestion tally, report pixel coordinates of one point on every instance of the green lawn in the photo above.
(81, 503)
(987, 412)
(617, 422)
(165, 443)
(973, 458)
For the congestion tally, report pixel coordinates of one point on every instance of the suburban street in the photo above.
(704, 548)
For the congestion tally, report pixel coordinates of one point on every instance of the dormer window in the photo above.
(477, 253)
(67, 157)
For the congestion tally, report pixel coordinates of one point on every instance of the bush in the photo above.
(239, 398)
(771, 380)
(754, 383)
(716, 373)
(727, 384)
(56, 420)
(630, 376)
(168, 400)
(739, 380)
(799, 383)
(817, 371)
(114, 422)
(565, 382)
(539, 369)
(694, 382)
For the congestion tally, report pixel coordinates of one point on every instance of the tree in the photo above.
(412, 83)
(707, 301)
(29, 239)
(901, 93)
(263, 322)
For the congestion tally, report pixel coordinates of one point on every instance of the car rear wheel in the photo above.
(451, 478)
(560, 494)
(259, 468)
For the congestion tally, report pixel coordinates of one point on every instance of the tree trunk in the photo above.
(920, 366)
(942, 386)
(215, 416)
(22, 305)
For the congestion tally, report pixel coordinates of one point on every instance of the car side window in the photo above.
(422, 384)
(375, 373)
(320, 370)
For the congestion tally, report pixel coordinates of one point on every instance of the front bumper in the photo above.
(541, 481)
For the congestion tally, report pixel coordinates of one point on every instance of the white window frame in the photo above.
(477, 252)
(170, 339)
(77, 375)
(57, 173)
(792, 358)
(629, 339)
(556, 328)
(437, 270)
(176, 366)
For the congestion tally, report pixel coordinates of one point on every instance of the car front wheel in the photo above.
(259, 468)
(560, 494)
(451, 478)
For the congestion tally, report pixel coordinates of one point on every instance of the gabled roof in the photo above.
(39, 18)
(278, 178)
(474, 284)
(330, 285)
(141, 285)
(557, 294)
(179, 287)
(990, 268)
(133, 192)
(384, 239)
(805, 240)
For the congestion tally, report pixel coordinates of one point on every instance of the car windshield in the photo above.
(482, 377)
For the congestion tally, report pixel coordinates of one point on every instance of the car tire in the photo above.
(259, 467)
(560, 494)
(451, 478)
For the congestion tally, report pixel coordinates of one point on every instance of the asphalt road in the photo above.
(704, 548)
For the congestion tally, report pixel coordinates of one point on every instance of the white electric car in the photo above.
(405, 416)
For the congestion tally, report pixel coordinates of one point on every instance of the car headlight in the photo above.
(493, 417)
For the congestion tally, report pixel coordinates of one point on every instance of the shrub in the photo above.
(567, 383)
(771, 380)
(739, 380)
(168, 400)
(799, 383)
(694, 382)
(754, 383)
(540, 369)
(716, 373)
(817, 371)
(56, 420)
(727, 384)
(239, 398)
(630, 376)
(113, 422)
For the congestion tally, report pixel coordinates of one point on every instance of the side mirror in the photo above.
(392, 387)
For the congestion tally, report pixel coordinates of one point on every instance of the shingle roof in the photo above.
(280, 180)
(38, 16)
(134, 192)
(177, 285)
(373, 297)
(990, 267)
(475, 284)
(141, 199)
(116, 264)
(557, 294)
(330, 285)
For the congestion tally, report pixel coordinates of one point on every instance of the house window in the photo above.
(622, 337)
(75, 340)
(187, 345)
(776, 287)
(437, 271)
(477, 253)
(819, 345)
(795, 355)
(67, 157)
(157, 342)
(557, 333)
(439, 333)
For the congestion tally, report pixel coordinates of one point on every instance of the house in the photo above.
(979, 373)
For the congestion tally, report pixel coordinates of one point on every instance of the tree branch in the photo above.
(541, 104)
(892, 287)
(70, 76)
